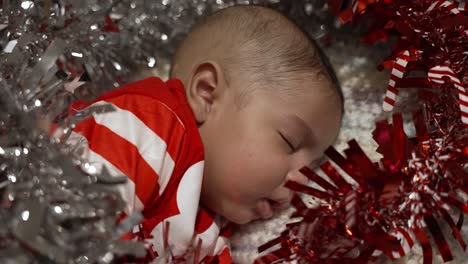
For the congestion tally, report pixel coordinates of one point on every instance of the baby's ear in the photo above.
(202, 85)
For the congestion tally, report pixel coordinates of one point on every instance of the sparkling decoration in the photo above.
(55, 207)
(421, 182)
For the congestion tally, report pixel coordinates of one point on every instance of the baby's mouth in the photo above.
(264, 209)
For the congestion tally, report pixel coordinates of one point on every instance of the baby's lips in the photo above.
(264, 209)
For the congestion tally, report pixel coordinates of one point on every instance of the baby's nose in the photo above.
(282, 196)
(297, 176)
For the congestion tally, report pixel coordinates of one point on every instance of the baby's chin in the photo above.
(233, 212)
(240, 217)
(238, 220)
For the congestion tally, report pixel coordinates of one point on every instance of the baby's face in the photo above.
(251, 152)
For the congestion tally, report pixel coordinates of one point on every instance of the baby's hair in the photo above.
(259, 44)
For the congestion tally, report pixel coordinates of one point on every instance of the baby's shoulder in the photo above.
(165, 100)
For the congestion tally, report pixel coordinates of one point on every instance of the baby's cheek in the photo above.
(253, 169)
(274, 171)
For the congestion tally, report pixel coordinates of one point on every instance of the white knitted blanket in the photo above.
(363, 88)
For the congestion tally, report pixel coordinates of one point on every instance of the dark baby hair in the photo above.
(262, 45)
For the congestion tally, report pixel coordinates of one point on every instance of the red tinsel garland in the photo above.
(401, 199)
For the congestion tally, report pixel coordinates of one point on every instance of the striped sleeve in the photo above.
(140, 139)
(215, 231)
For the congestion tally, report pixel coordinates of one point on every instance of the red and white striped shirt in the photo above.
(153, 139)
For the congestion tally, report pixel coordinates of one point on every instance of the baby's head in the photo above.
(266, 102)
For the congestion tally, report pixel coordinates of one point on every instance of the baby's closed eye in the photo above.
(289, 141)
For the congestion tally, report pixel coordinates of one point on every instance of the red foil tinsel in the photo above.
(416, 186)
